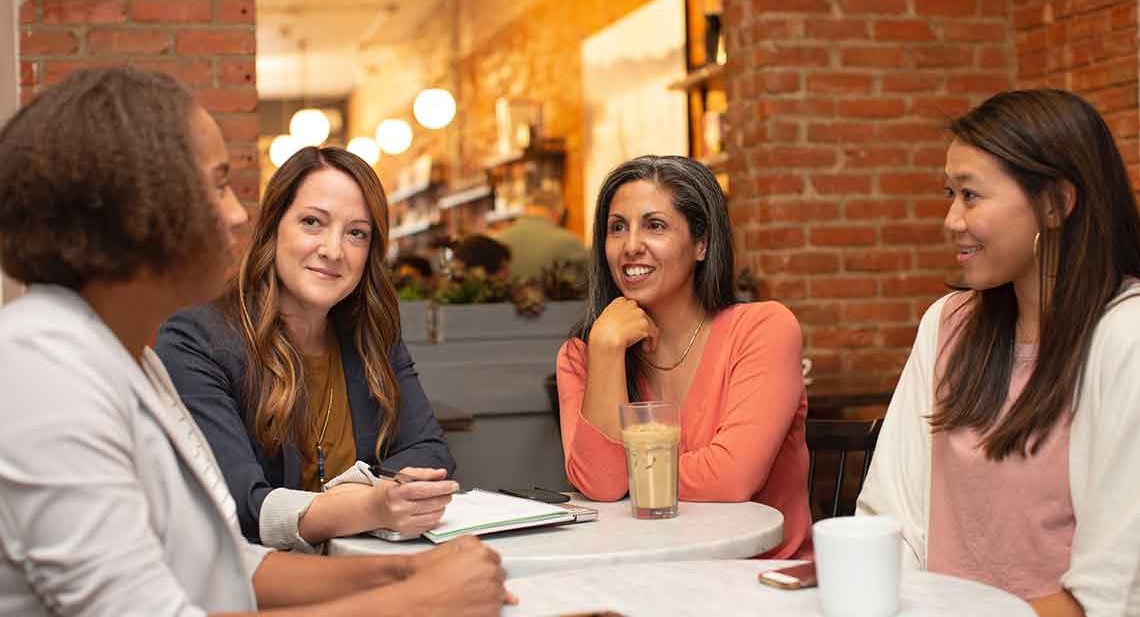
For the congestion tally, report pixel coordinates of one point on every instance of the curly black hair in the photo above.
(98, 179)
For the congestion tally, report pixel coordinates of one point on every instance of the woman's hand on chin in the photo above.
(623, 324)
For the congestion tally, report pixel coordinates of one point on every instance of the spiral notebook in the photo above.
(478, 512)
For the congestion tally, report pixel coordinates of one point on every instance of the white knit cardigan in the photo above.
(1104, 460)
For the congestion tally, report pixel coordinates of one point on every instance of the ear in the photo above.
(1068, 201)
(701, 250)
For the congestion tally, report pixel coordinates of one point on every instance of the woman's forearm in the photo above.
(290, 579)
(337, 513)
(1060, 604)
(605, 389)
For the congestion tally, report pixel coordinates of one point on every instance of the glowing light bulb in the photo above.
(394, 136)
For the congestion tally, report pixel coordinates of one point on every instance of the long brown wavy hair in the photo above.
(1047, 141)
(274, 386)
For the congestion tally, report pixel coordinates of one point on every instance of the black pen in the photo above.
(398, 477)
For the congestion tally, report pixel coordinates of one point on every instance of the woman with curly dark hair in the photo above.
(299, 372)
(116, 210)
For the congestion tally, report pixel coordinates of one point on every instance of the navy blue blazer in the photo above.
(206, 358)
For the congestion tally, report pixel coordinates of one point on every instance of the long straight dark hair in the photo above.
(1047, 141)
(697, 196)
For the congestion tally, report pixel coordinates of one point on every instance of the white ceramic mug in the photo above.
(857, 564)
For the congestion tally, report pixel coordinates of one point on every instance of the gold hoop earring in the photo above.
(1036, 240)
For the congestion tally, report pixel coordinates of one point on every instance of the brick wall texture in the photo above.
(1089, 47)
(207, 44)
(837, 109)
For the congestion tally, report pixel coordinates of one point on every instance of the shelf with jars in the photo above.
(514, 178)
(412, 205)
(705, 86)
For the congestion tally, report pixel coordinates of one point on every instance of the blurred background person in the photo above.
(536, 239)
(486, 253)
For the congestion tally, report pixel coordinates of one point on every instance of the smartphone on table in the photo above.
(799, 576)
(537, 494)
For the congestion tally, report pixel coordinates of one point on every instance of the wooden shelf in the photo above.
(409, 229)
(715, 162)
(463, 197)
(494, 216)
(409, 192)
(698, 77)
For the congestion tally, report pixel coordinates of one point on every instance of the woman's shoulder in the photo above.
(1118, 323)
(204, 328)
(768, 314)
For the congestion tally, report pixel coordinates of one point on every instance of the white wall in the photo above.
(9, 95)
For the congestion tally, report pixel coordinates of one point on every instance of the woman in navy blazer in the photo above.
(307, 340)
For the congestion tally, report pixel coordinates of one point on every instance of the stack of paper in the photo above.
(477, 512)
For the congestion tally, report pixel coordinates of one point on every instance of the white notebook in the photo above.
(477, 512)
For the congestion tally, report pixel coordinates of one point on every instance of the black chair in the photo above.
(551, 385)
(842, 437)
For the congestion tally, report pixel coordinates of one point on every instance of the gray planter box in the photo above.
(414, 321)
(488, 360)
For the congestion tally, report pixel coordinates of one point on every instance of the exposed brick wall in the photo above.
(836, 112)
(208, 44)
(1089, 47)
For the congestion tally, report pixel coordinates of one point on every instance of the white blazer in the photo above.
(112, 502)
(1104, 459)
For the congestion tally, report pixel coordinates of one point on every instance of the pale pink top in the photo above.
(1008, 524)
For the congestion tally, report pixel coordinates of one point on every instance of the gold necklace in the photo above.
(684, 354)
(324, 429)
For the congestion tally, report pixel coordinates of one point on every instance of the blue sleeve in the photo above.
(198, 368)
(418, 440)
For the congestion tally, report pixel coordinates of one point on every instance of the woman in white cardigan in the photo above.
(116, 208)
(1011, 449)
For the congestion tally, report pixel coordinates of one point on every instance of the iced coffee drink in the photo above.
(651, 452)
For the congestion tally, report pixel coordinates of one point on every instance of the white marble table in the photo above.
(729, 587)
(700, 531)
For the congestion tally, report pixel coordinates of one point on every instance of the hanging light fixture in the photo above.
(310, 127)
(394, 136)
(282, 147)
(366, 148)
(434, 108)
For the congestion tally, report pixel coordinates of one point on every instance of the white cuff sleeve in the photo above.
(280, 519)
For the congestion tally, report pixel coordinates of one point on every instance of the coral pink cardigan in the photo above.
(742, 422)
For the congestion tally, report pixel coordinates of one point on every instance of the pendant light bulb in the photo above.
(282, 147)
(310, 127)
(394, 136)
(366, 148)
(434, 108)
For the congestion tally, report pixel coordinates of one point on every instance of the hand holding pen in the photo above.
(414, 500)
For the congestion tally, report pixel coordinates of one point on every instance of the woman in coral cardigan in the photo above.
(662, 324)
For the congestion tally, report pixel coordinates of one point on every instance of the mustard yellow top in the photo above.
(324, 380)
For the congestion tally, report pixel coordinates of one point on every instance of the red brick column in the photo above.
(1089, 47)
(208, 44)
(836, 111)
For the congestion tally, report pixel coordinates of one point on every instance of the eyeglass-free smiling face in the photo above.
(650, 251)
(990, 220)
(323, 242)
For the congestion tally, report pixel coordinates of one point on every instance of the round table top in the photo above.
(729, 587)
(700, 531)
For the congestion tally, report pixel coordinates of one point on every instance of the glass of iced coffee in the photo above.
(651, 433)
